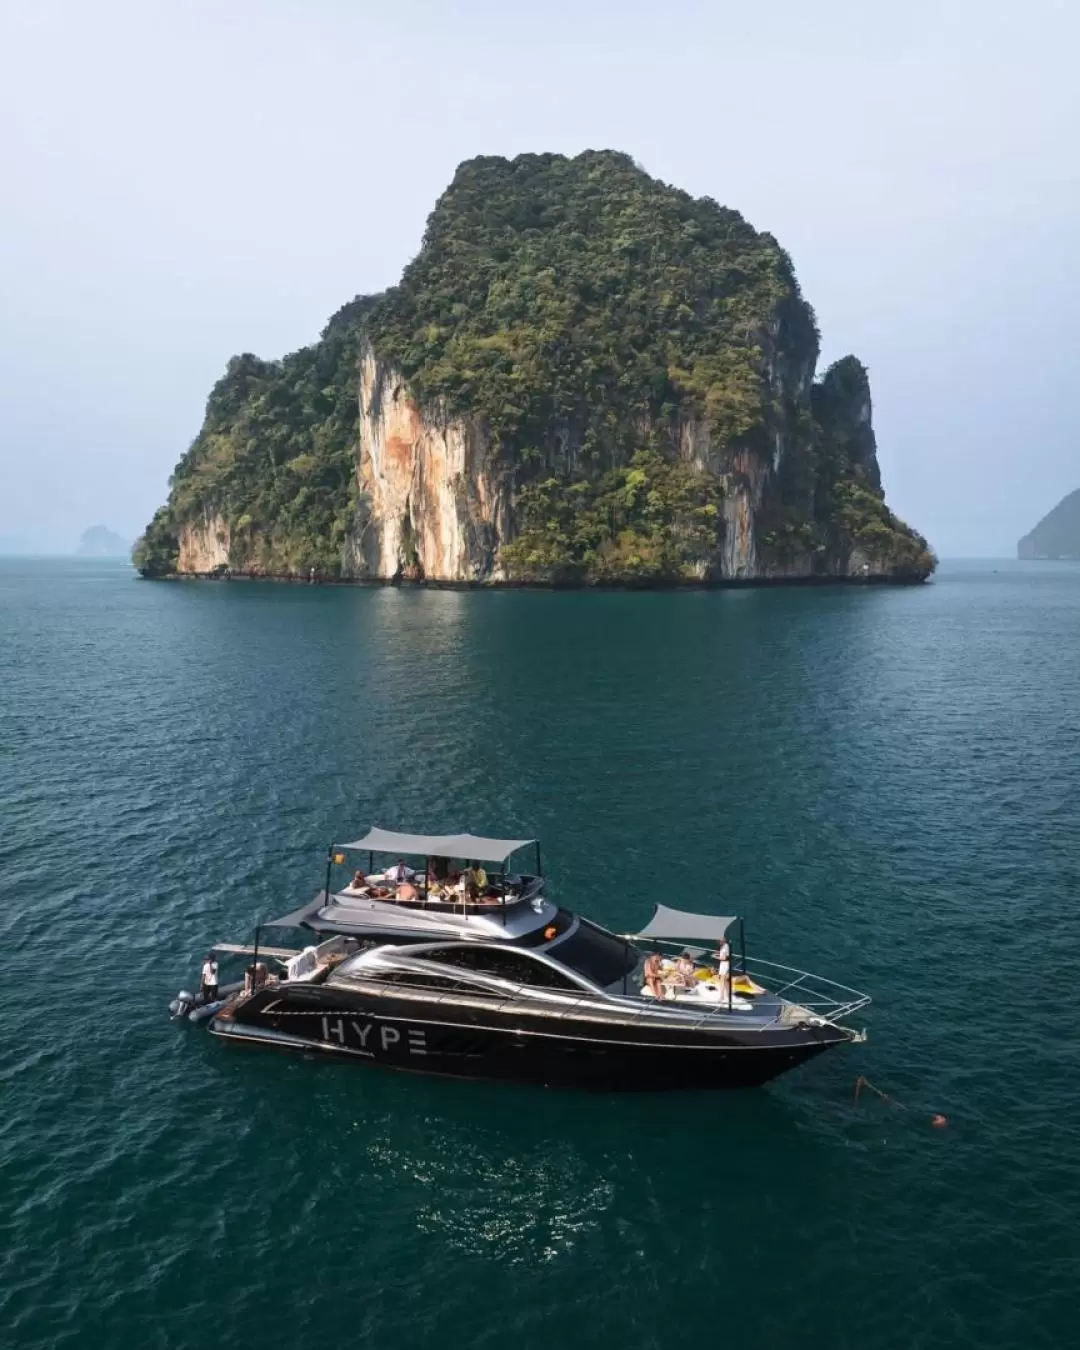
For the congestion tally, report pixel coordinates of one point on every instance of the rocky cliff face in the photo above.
(203, 544)
(433, 502)
(436, 501)
(585, 376)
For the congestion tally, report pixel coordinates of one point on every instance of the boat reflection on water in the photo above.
(526, 1177)
(451, 971)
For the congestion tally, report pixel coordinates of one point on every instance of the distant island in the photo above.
(585, 377)
(99, 542)
(1057, 535)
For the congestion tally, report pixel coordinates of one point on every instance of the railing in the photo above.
(820, 996)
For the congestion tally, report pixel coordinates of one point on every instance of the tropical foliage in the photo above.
(275, 459)
(650, 520)
(569, 300)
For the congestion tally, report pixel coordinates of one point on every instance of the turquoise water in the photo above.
(885, 782)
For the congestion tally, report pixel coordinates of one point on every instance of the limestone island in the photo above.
(101, 542)
(585, 377)
(1057, 535)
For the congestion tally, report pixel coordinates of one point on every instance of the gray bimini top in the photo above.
(437, 845)
(681, 925)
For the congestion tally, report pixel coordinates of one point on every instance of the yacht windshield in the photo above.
(595, 953)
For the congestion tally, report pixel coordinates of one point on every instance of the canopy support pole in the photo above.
(539, 869)
(255, 960)
(329, 862)
(742, 943)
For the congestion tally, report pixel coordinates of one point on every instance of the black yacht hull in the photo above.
(499, 1044)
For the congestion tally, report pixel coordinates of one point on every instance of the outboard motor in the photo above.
(182, 1004)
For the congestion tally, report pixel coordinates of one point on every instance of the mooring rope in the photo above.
(938, 1121)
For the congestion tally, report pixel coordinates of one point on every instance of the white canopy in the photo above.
(679, 924)
(437, 845)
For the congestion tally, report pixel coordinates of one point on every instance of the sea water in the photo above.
(885, 782)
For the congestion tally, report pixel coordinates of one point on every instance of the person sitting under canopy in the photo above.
(684, 972)
(399, 872)
(654, 973)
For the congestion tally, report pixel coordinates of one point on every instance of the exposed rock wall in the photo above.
(436, 502)
(432, 503)
(204, 544)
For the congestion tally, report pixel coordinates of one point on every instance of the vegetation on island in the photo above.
(276, 459)
(653, 519)
(574, 300)
(849, 510)
(624, 348)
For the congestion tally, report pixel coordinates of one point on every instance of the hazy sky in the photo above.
(184, 181)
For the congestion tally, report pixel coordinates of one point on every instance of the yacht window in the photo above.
(547, 932)
(413, 978)
(506, 964)
(597, 954)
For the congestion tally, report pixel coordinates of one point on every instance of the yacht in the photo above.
(451, 968)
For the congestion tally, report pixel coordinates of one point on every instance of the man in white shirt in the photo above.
(399, 872)
(210, 979)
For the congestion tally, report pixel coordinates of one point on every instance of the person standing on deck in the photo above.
(210, 979)
(723, 967)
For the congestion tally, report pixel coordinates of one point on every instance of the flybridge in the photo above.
(439, 891)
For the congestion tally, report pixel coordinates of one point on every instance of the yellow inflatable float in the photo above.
(740, 984)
